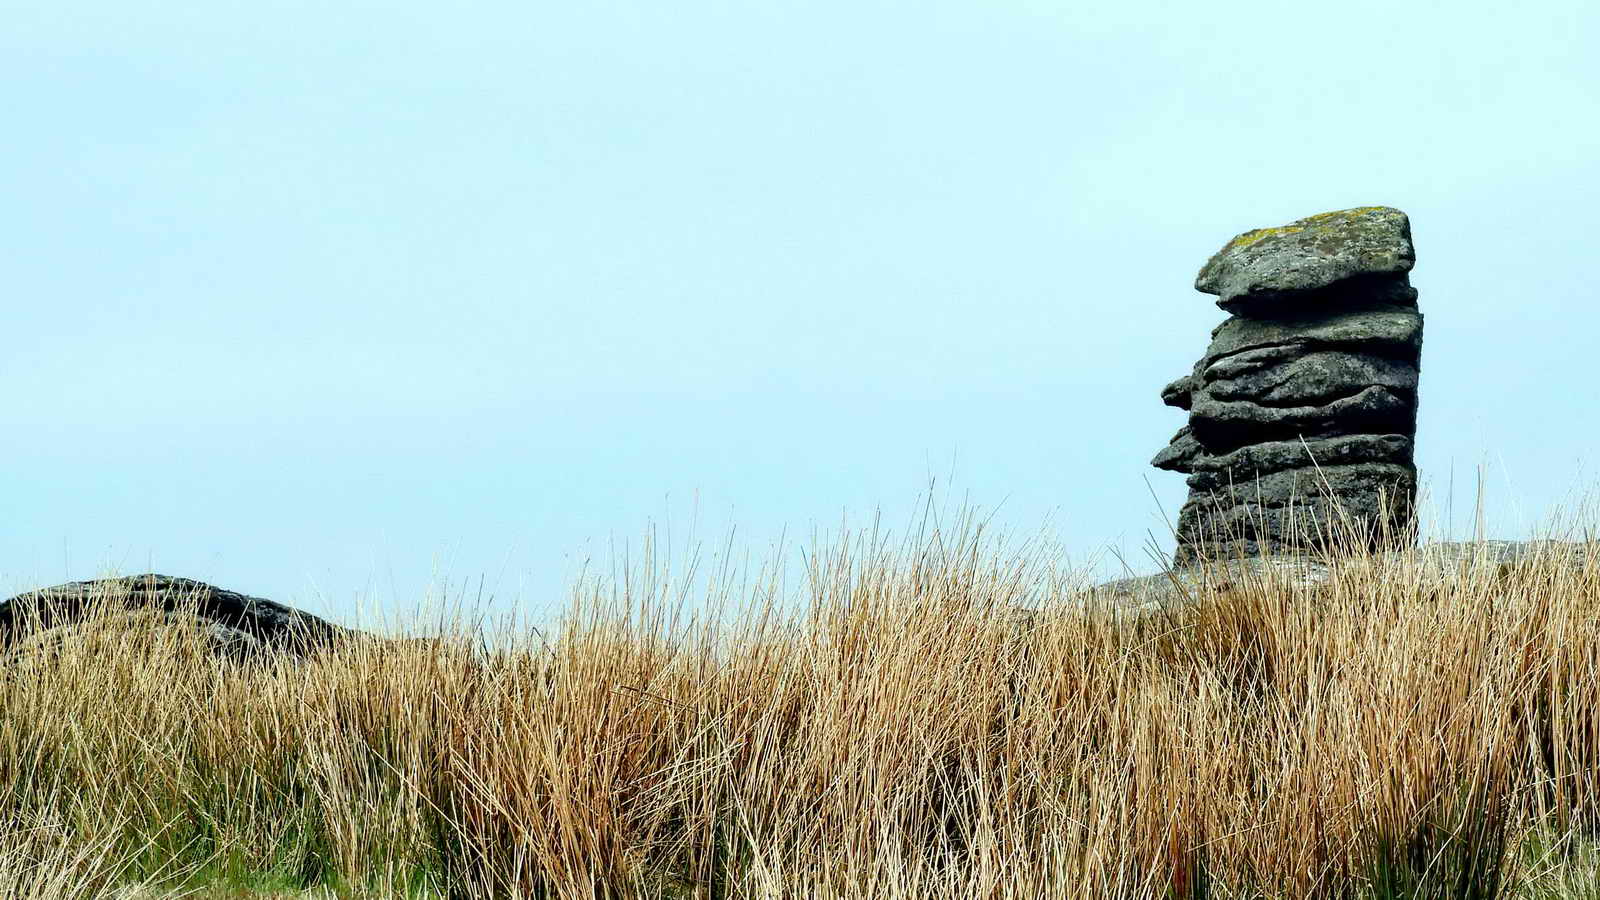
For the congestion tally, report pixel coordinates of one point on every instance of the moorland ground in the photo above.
(898, 733)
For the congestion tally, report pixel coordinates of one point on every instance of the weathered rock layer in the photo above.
(1303, 410)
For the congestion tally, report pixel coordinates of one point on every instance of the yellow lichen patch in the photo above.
(1343, 213)
(1323, 219)
(1316, 221)
(1251, 237)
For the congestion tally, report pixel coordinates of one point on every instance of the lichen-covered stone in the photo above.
(1180, 454)
(1303, 409)
(1178, 392)
(1265, 266)
(1305, 482)
(1223, 425)
(1312, 379)
(1300, 509)
(1390, 331)
(1276, 456)
(1245, 362)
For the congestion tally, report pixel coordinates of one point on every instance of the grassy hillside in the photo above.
(904, 734)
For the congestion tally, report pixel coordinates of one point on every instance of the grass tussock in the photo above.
(902, 734)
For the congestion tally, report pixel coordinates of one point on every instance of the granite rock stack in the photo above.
(1303, 410)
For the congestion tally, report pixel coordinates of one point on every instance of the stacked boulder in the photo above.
(1303, 410)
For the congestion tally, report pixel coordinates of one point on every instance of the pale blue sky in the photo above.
(326, 301)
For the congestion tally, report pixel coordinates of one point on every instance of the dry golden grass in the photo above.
(900, 736)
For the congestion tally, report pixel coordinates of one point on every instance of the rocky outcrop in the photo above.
(235, 626)
(1434, 565)
(1303, 410)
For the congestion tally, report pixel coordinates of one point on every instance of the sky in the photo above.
(351, 304)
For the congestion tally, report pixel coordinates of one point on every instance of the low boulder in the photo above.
(236, 626)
